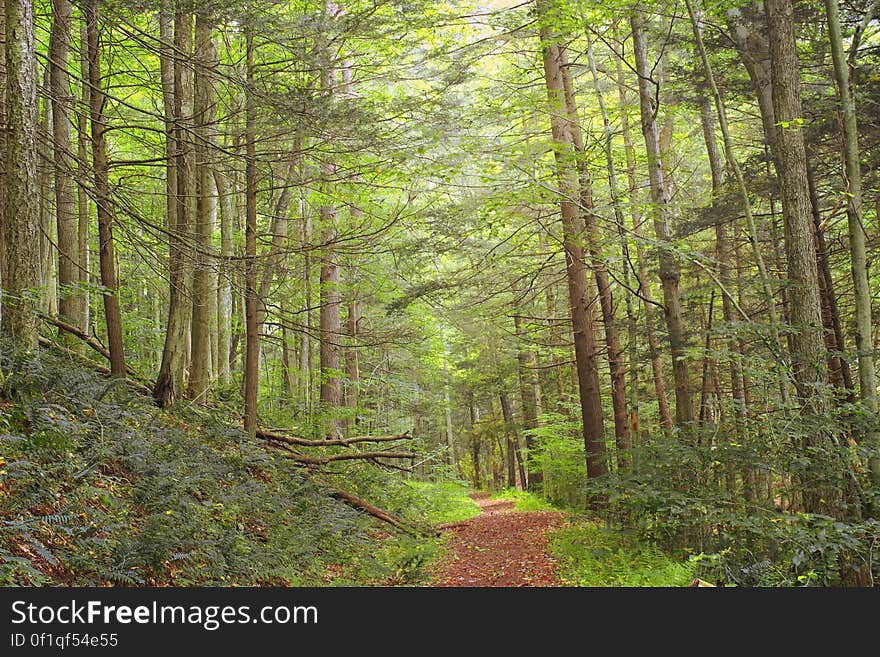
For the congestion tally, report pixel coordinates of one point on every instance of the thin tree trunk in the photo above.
(838, 369)
(352, 364)
(512, 438)
(600, 271)
(855, 223)
(644, 284)
(102, 196)
(723, 255)
(252, 326)
(670, 274)
(226, 205)
(529, 394)
(622, 427)
(69, 299)
(475, 442)
(82, 173)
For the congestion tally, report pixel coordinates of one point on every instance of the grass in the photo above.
(592, 556)
(445, 502)
(524, 500)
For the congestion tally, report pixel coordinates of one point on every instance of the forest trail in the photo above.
(500, 547)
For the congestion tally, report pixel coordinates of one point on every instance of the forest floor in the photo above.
(500, 547)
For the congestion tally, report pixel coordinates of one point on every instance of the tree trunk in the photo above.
(252, 325)
(567, 174)
(21, 225)
(807, 345)
(622, 429)
(723, 255)
(175, 90)
(512, 438)
(600, 271)
(82, 173)
(669, 269)
(204, 117)
(530, 394)
(226, 206)
(69, 298)
(352, 364)
(644, 284)
(855, 223)
(102, 196)
(475, 442)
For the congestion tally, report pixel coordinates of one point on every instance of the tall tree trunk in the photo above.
(475, 441)
(807, 345)
(21, 225)
(82, 174)
(644, 284)
(306, 336)
(566, 168)
(176, 82)
(670, 274)
(252, 324)
(69, 299)
(600, 271)
(204, 116)
(226, 206)
(622, 428)
(102, 196)
(855, 224)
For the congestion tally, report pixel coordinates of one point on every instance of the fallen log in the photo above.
(329, 442)
(329, 458)
(374, 511)
(93, 343)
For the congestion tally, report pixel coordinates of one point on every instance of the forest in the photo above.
(391, 292)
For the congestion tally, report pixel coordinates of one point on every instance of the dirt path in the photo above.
(500, 547)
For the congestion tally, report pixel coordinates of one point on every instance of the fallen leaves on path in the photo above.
(500, 547)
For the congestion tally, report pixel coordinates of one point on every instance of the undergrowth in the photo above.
(525, 500)
(592, 556)
(100, 487)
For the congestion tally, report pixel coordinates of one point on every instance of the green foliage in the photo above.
(589, 555)
(524, 500)
(443, 502)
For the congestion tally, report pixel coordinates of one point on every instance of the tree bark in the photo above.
(584, 342)
(101, 168)
(252, 325)
(175, 90)
(600, 271)
(69, 298)
(857, 238)
(83, 201)
(530, 395)
(807, 345)
(204, 117)
(21, 225)
(644, 284)
(670, 274)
